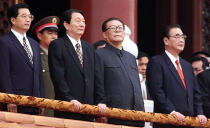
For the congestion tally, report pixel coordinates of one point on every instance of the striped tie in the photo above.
(27, 50)
(79, 54)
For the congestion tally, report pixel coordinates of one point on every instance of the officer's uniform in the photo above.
(46, 23)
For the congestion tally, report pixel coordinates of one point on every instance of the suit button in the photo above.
(86, 80)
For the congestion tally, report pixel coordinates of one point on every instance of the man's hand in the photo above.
(202, 119)
(180, 117)
(77, 105)
(102, 108)
(42, 111)
(12, 108)
(101, 120)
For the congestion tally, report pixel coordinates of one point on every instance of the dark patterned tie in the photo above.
(27, 50)
(79, 54)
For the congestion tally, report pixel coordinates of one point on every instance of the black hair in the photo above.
(13, 10)
(66, 17)
(166, 30)
(111, 19)
(142, 54)
(201, 52)
(99, 43)
(202, 59)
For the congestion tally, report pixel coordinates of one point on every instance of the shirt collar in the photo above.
(115, 50)
(172, 58)
(44, 49)
(73, 41)
(18, 35)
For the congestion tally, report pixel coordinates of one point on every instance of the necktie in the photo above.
(79, 53)
(27, 50)
(181, 75)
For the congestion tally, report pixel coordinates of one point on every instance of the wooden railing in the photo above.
(93, 110)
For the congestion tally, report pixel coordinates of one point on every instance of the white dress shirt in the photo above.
(20, 39)
(74, 42)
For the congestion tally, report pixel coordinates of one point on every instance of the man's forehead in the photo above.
(23, 10)
(114, 23)
(77, 15)
(175, 31)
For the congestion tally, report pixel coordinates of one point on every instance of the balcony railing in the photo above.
(93, 110)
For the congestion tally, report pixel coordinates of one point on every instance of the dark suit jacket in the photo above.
(116, 72)
(71, 80)
(167, 89)
(18, 75)
(204, 81)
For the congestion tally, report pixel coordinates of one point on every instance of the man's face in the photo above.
(76, 26)
(197, 67)
(115, 32)
(47, 37)
(142, 66)
(23, 21)
(175, 42)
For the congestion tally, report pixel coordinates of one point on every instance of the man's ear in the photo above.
(39, 36)
(104, 35)
(65, 24)
(165, 41)
(12, 19)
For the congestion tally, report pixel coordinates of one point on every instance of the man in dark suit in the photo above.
(171, 80)
(117, 74)
(46, 30)
(204, 81)
(143, 60)
(199, 64)
(20, 65)
(71, 64)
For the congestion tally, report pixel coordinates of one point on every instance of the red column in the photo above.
(96, 11)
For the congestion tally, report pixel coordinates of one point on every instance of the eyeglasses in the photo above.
(179, 36)
(24, 16)
(115, 28)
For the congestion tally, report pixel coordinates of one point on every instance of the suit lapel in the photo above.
(72, 52)
(20, 48)
(185, 73)
(35, 51)
(86, 55)
(173, 70)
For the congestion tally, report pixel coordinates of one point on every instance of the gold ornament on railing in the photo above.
(93, 110)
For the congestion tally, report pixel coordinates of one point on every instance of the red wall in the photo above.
(96, 11)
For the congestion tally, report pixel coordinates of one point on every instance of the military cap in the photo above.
(47, 22)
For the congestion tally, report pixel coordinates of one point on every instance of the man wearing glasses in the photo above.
(20, 66)
(171, 80)
(117, 74)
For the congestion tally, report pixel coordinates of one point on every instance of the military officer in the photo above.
(46, 30)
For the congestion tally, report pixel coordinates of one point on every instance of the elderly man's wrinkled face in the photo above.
(115, 32)
(76, 27)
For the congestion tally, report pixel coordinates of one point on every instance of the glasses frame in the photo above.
(179, 36)
(114, 29)
(24, 16)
